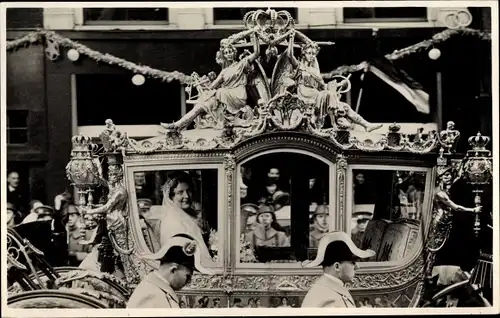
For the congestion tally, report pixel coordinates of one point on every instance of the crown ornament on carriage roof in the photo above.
(82, 143)
(479, 143)
(269, 19)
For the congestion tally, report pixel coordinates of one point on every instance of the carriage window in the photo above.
(169, 201)
(284, 207)
(387, 207)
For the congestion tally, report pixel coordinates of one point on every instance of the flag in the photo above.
(402, 82)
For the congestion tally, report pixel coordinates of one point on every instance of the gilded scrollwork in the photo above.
(389, 279)
(204, 282)
(253, 282)
(341, 185)
(363, 281)
(173, 156)
(295, 120)
(112, 139)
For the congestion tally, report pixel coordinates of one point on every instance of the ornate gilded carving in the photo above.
(449, 137)
(84, 169)
(341, 185)
(363, 281)
(286, 111)
(204, 282)
(172, 156)
(294, 141)
(112, 139)
(229, 168)
(478, 170)
(389, 279)
(116, 213)
(253, 282)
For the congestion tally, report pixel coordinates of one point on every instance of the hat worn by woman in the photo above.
(338, 247)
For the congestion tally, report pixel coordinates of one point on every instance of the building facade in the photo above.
(49, 101)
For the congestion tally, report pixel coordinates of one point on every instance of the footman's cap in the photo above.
(181, 249)
(337, 247)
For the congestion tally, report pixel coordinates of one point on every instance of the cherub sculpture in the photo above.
(112, 139)
(449, 136)
(312, 89)
(226, 96)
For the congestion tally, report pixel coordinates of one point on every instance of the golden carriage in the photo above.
(317, 166)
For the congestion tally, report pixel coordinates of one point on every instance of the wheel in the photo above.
(53, 299)
(102, 286)
(461, 294)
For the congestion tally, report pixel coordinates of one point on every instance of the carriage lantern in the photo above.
(83, 169)
(478, 169)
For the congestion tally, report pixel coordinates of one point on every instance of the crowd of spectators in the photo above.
(34, 218)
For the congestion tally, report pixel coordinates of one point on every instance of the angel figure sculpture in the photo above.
(226, 97)
(441, 223)
(313, 91)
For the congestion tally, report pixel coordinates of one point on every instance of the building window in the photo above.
(103, 96)
(24, 18)
(399, 14)
(125, 15)
(235, 15)
(17, 126)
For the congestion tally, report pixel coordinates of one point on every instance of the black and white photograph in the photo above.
(285, 157)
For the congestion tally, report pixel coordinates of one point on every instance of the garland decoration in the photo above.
(51, 36)
(423, 45)
(40, 36)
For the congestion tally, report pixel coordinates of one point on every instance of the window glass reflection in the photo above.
(283, 210)
(386, 211)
